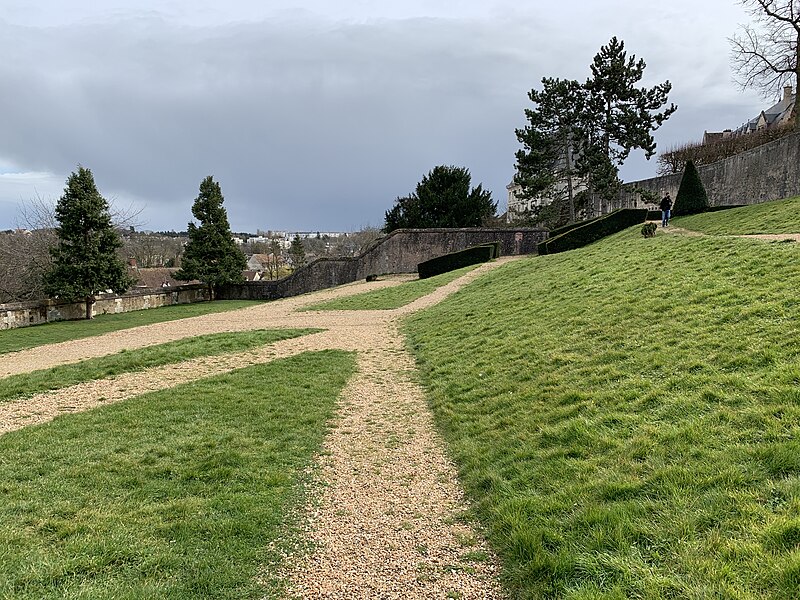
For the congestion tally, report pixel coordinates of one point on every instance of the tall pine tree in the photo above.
(211, 255)
(85, 260)
(619, 116)
(552, 140)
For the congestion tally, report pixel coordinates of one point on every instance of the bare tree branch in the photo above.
(766, 54)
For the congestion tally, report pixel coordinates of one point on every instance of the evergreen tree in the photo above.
(298, 252)
(85, 260)
(442, 199)
(692, 197)
(552, 140)
(579, 135)
(211, 255)
(619, 116)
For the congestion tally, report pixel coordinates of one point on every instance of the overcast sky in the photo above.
(316, 115)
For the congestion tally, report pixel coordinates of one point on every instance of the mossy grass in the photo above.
(626, 417)
(777, 216)
(186, 493)
(27, 384)
(392, 297)
(61, 331)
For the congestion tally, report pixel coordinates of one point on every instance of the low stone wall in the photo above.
(47, 311)
(768, 172)
(399, 252)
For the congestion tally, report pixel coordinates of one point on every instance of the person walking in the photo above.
(665, 206)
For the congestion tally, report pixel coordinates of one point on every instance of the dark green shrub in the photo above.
(649, 230)
(571, 226)
(653, 215)
(591, 231)
(495, 246)
(692, 197)
(455, 260)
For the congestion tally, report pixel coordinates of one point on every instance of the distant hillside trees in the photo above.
(692, 197)
(766, 55)
(442, 199)
(584, 132)
(211, 255)
(85, 260)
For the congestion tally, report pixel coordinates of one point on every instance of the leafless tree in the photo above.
(766, 53)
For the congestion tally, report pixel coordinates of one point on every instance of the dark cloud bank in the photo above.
(306, 124)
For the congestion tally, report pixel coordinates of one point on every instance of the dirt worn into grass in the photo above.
(386, 523)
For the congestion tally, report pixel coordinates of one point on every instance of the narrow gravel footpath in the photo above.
(386, 523)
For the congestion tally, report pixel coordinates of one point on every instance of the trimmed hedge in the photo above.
(495, 246)
(571, 226)
(653, 215)
(591, 231)
(456, 260)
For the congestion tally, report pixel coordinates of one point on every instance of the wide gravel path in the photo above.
(387, 521)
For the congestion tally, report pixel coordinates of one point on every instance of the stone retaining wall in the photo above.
(35, 313)
(399, 252)
(768, 172)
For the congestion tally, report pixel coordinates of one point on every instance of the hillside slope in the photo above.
(626, 417)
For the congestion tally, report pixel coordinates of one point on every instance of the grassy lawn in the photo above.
(170, 495)
(779, 216)
(27, 384)
(393, 297)
(62, 331)
(626, 417)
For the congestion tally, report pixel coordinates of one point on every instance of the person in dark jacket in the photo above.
(665, 206)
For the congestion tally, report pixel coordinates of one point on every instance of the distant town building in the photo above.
(776, 115)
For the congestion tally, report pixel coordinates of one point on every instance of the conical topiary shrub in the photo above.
(692, 197)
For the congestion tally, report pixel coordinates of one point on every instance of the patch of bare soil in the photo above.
(387, 521)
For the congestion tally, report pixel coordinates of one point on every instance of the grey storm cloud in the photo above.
(306, 122)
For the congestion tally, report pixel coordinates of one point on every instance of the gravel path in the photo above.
(386, 523)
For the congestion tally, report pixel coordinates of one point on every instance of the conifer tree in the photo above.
(620, 116)
(211, 255)
(692, 197)
(85, 260)
(442, 199)
(298, 252)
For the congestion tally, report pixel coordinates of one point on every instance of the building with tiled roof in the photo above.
(776, 115)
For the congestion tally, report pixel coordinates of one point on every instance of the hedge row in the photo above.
(457, 260)
(591, 231)
(571, 226)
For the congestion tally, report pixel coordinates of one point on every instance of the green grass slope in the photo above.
(393, 297)
(185, 493)
(62, 331)
(626, 417)
(128, 361)
(779, 216)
